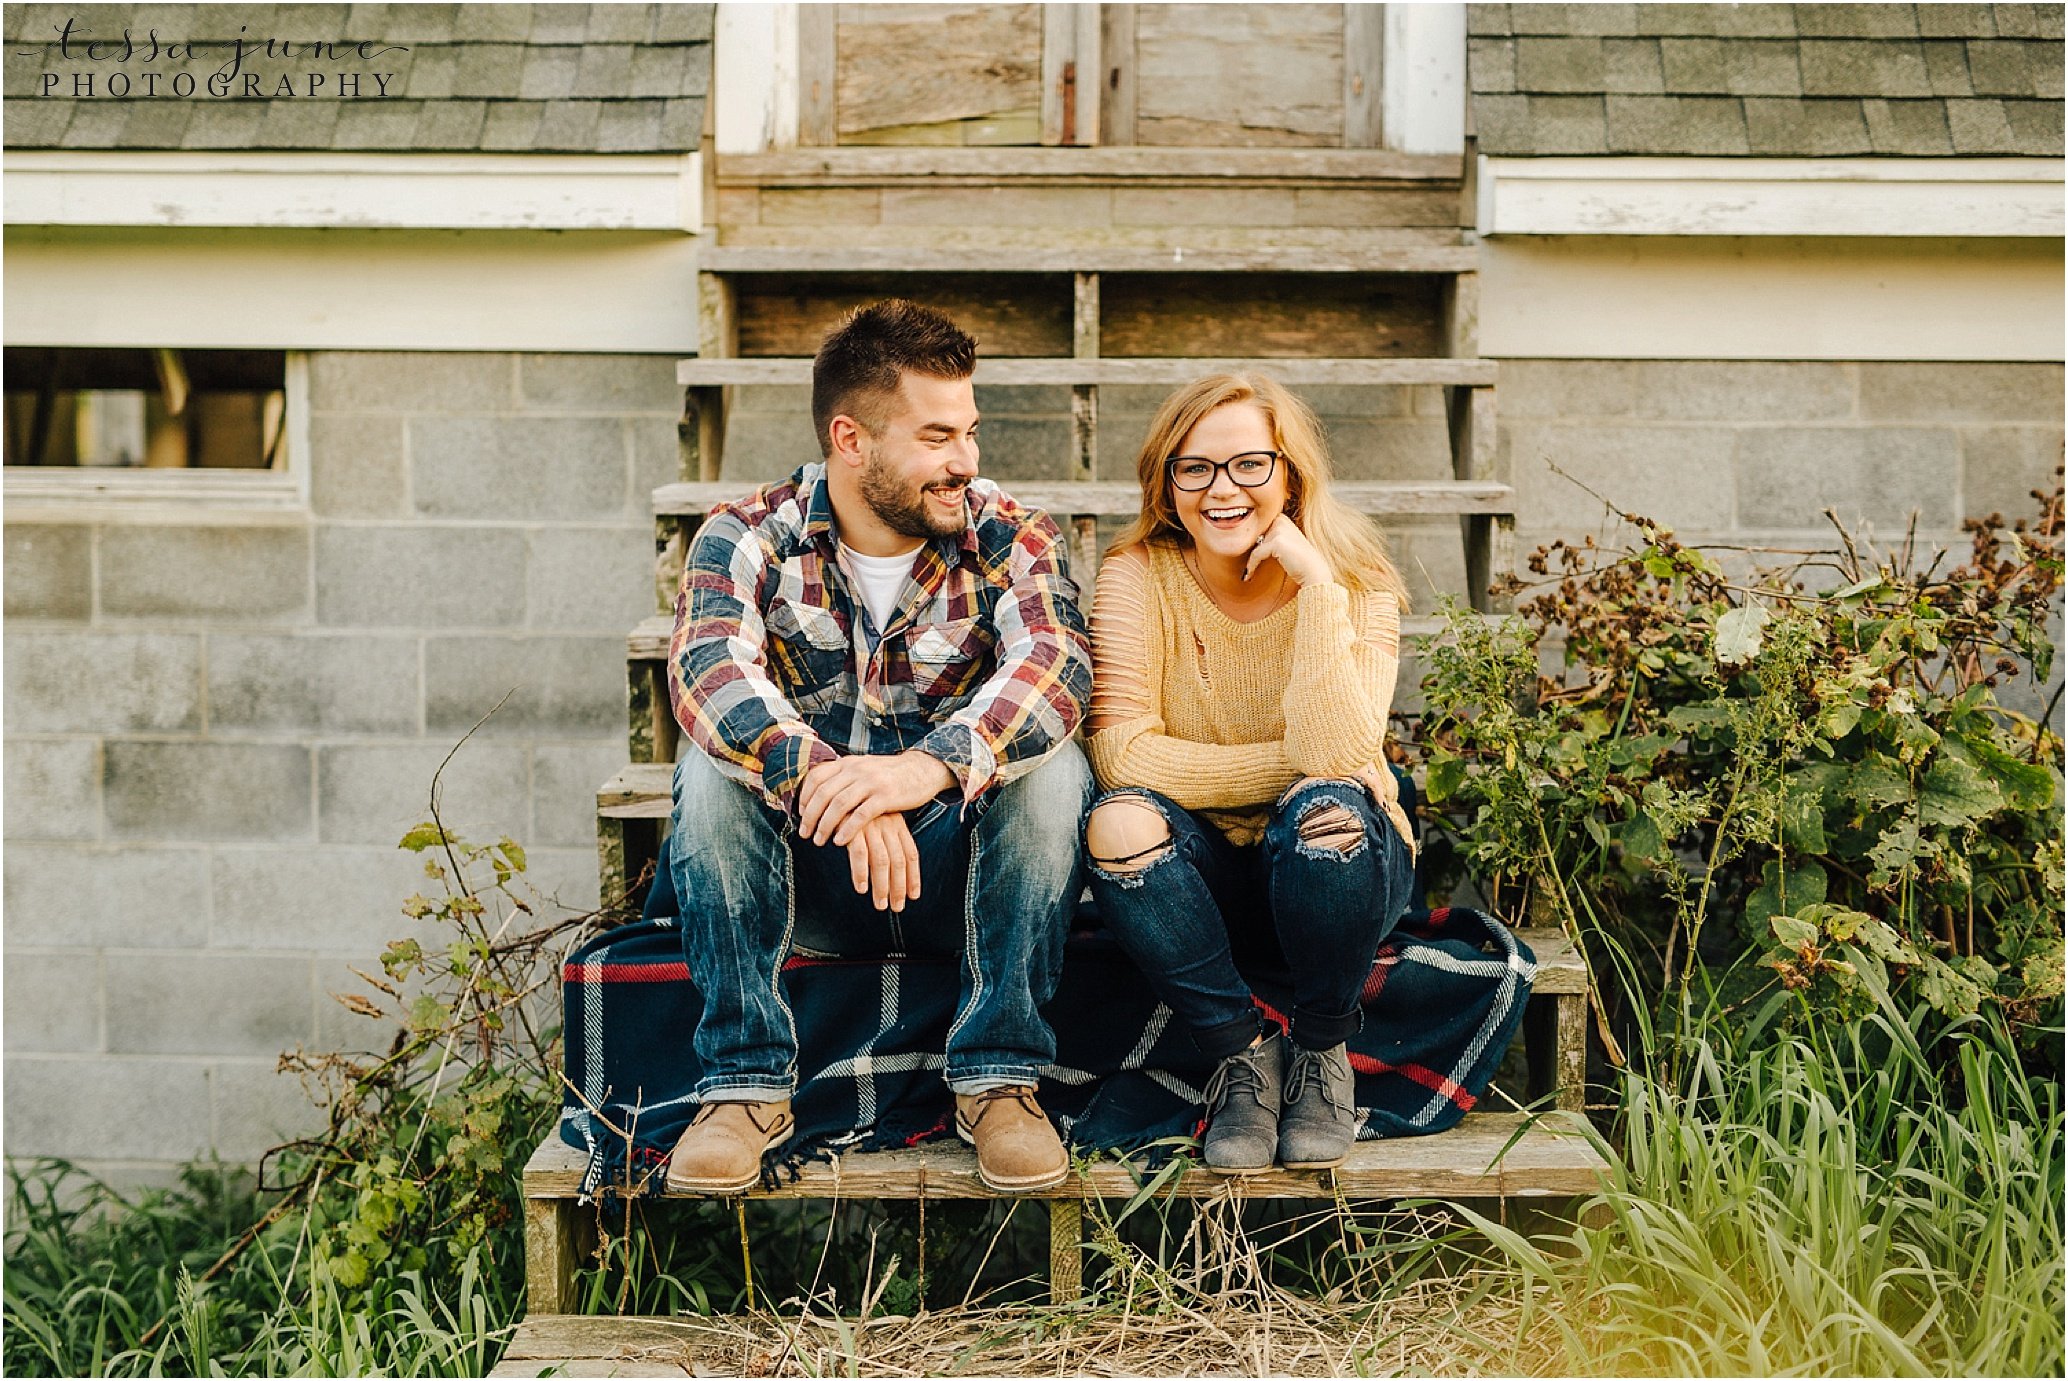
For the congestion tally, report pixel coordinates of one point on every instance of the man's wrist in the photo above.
(937, 775)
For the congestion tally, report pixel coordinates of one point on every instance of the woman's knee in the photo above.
(1324, 818)
(1125, 833)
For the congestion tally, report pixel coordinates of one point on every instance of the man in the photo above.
(881, 660)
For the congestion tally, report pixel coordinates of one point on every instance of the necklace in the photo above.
(1270, 602)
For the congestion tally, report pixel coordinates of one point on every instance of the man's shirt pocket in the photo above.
(949, 660)
(808, 651)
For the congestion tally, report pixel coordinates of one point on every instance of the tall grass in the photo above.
(1876, 1197)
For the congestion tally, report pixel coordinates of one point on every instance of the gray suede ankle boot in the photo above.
(1242, 1102)
(1320, 1117)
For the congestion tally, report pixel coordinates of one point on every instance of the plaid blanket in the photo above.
(1440, 1006)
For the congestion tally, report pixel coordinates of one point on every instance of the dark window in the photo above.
(161, 409)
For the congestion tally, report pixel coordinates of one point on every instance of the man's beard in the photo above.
(907, 511)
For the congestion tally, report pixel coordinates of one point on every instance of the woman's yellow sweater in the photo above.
(1222, 717)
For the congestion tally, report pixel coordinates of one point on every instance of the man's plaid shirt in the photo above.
(985, 664)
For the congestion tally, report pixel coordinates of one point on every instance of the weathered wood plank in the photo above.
(1065, 1251)
(979, 60)
(1194, 249)
(556, 1238)
(1117, 80)
(817, 74)
(585, 1337)
(1493, 1155)
(1108, 499)
(1262, 317)
(1238, 76)
(1364, 28)
(787, 314)
(998, 372)
(1117, 163)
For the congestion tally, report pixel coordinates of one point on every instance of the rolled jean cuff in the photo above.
(1311, 1032)
(1219, 1042)
(737, 1090)
(976, 1080)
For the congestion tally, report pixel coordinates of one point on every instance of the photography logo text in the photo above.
(99, 64)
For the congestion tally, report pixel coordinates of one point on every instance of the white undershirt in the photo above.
(882, 580)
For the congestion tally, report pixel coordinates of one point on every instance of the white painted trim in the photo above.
(1422, 92)
(36, 491)
(1771, 196)
(399, 191)
(754, 77)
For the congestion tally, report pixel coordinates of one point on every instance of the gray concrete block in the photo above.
(257, 1108)
(226, 791)
(565, 881)
(60, 895)
(122, 1109)
(1567, 124)
(1999, 469)
(408, 381)
(1675, 125)
(53, 788)
(330, 683)
(764, 446)
(80, 681)
(375, 793)
(564, 778)
(658, 458)
(1680, 476)
(1378, 448)
(53, 1001)
(49, 571)
(556, 468)
(1566, 389)
(1981, 393)
(563, 687)
(599, 383)
(338, 900)
(1026, 448)
(1874, 477)
(1739, 391)
(246, 574)
(358, 469)
(420, 576)
(208, 1004)
(589, 579)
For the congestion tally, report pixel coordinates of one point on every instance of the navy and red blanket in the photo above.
(1440, 1006)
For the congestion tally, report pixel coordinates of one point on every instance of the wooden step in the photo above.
(1113, 500)
(1132, 166)
(609, 1345)
(648, 640)
(1468, 373)
(929, 250)
(1488, 1155)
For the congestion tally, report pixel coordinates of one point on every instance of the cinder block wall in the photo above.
(218, 726)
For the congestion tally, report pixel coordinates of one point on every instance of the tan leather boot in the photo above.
(1017, 1149)
(721, 1152)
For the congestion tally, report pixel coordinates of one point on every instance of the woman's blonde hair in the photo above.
(1346, 537)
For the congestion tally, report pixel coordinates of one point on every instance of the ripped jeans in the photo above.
(1314, 899)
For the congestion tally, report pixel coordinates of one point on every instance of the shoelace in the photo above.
(1012, 1093)
(1308, 1066)
(1236, 1074)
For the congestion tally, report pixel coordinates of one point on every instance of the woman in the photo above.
(1245, 637)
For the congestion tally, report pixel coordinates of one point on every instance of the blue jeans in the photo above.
(1201, 910)
(998, 884)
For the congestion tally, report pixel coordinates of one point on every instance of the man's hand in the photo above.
(884, 862)
(842, 796)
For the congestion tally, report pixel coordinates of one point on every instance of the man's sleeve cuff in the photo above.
(966, 754)
(784, 764)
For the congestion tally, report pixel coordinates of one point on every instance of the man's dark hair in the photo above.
(857, 367)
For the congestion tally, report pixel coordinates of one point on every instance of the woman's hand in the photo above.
(1299, 558)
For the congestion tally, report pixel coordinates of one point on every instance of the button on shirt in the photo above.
(775, 665)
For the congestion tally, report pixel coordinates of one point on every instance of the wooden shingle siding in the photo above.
(1766, 80)
(979, 80)
(461, 78)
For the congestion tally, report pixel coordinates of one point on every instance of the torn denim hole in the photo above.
(1329, 830)
(1111, 869)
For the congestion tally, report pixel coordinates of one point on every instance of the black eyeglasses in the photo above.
(1250, 469)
